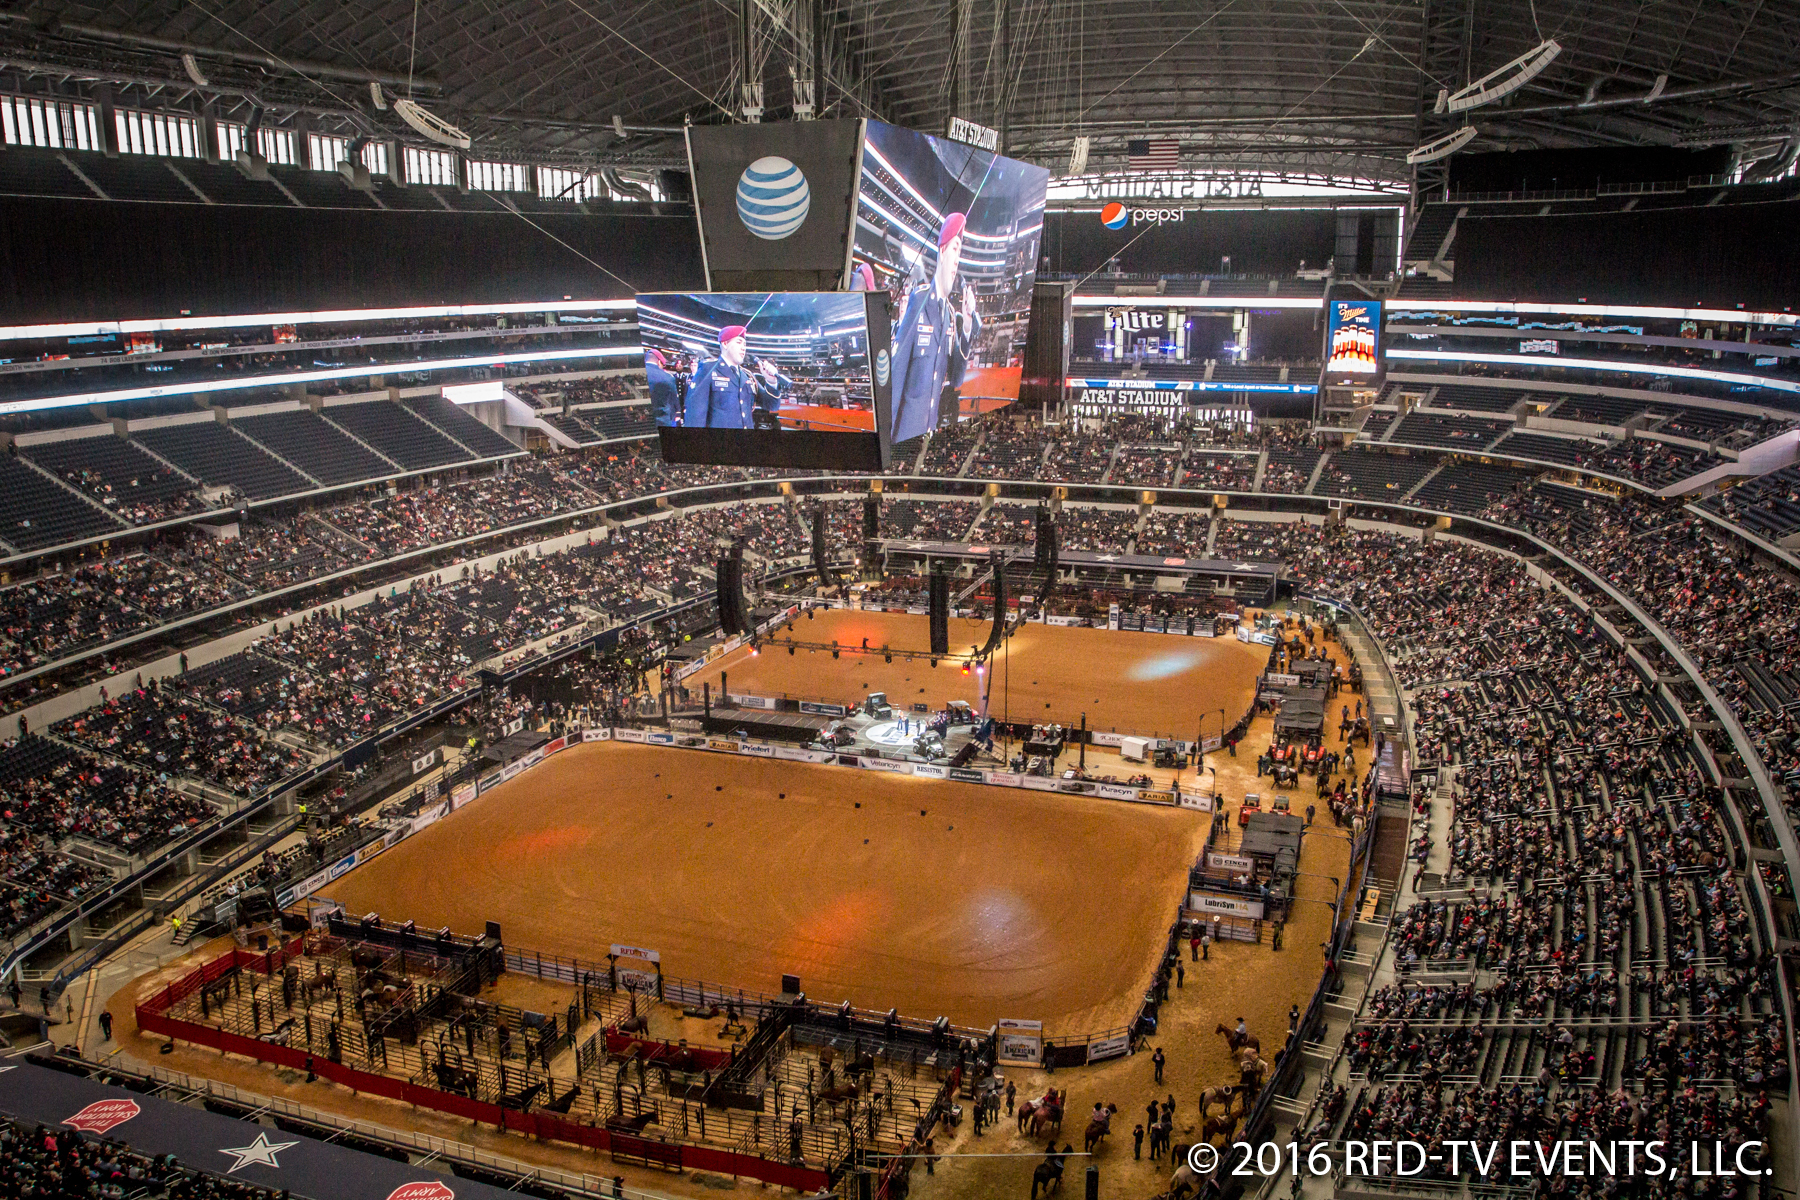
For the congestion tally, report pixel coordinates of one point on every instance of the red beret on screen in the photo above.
(953, 227)
(729, 332)
(656, 356)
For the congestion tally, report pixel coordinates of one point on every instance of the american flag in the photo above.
(1153, 153)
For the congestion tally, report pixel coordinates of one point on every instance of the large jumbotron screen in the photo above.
(950, 232)
(795, 379)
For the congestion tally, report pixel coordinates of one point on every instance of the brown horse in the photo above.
(1097, 1130)
(1234, 1044)
(1221, 1126)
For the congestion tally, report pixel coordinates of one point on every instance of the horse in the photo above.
(1234, 1042)
(1048, 1176)
(1097, 1129)
(1221, 1093)
(1250, 1077)
(1213, 1127)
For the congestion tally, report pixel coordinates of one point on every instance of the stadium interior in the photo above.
(1271, 634)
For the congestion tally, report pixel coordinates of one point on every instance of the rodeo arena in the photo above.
(859, 600)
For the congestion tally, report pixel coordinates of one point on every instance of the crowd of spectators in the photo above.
(40, 1163)
(1180, 531)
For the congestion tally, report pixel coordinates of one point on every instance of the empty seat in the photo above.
(120, 476)
(397, 433)
(445, 415)
(36, 512)
(218, 457)
(315, 446)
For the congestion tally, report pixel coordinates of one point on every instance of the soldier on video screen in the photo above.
(665, 401)
(933, 339)
(726, 394)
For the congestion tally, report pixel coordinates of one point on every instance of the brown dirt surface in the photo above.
(1133, 683)
(940, 898)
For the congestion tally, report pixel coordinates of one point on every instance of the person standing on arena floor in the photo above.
(1157, 1060)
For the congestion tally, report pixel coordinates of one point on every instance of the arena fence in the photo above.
(153, 1016)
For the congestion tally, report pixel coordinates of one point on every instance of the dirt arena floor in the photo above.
(940, 898)
(1132, 683)
(1252, 981)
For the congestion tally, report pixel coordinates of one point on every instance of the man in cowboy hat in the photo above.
(725, 394)
(932, 342)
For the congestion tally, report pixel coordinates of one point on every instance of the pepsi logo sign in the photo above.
(772, 198)
(103, 1115)
(1117, 216)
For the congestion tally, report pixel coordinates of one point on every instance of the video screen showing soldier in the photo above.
(950, 232)
(758, 360)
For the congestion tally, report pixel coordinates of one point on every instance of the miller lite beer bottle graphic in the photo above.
(1353, 345)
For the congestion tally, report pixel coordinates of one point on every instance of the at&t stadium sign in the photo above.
(1204, 188)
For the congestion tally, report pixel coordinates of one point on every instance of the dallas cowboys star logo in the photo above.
(261, 1153)
(1107, 557)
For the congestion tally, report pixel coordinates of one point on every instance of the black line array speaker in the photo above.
(940, 611)
(1046, 539)
(729, 576)
(871, 518)
(819, 556)
(999, 630)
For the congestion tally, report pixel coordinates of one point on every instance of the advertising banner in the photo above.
(1113, 791)
(1064, 621)
(1104, 1048)
(1038, 783)
(967, 775)
(513, 726)
(533, 759)
(822, 710)
(463, 793)
(763, 702)
(775, 198)
(883, 764)
(551, 747)
(1020, 1041)
(488, 781)
(1230, 863)
(806, 756)
(1195, 800)
(727, 746)
(757, 749)
(425, 761)
(1003, 778)
(1281, 680)
(660, 739)
(928, 771)
(343, 866)
(596, 735)
(1155, 796)
(1354, 345)
(510, 770)
(1233, 906)
(629, 735)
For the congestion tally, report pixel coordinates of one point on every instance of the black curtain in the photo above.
(1717, 257)
(76, 260)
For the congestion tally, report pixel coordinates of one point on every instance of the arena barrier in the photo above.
(152, 1017)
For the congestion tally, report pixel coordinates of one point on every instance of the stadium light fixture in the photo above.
(431, 127)
(1503, 81)
(1442, 147)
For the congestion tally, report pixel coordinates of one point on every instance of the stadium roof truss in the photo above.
(1263, 85)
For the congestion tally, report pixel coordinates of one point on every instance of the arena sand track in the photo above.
(1139, 683)
(940, 898)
